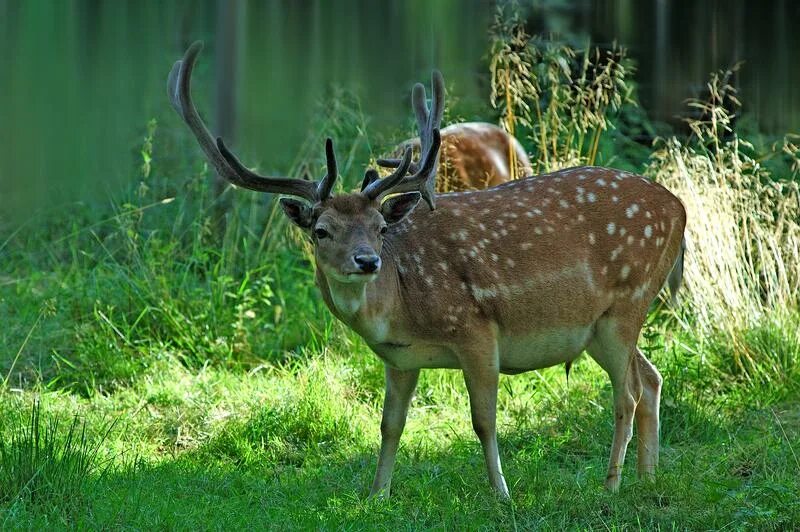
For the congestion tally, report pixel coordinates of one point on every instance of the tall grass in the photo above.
(42, 461)
(564, 98)
(743, 232)
(151, 278)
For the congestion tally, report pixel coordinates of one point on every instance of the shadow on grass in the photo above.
(743, 477)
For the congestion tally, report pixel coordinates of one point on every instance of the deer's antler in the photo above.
(225, 162)
(423, 173)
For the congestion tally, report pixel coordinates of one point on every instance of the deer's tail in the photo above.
(675, 277)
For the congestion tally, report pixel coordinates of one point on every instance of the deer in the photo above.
(517, 277)
(474, 155)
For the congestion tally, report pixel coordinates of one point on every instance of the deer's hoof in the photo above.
(612, 483)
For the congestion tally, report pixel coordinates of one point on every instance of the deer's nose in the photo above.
(368, 263)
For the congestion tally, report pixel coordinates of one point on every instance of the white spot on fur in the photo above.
(484, 293)
(591, 238)
(616, 252)
(611, 227)
(563, 204)
(640, 291)
(630, 211)
(511, 263)
(526, 246)
(591, 197)
(648, 231)
(601, 182)
(624, 272)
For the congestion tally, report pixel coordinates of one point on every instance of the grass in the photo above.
(296, 446)
(157, 373)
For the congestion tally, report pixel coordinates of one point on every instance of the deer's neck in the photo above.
(364, 307)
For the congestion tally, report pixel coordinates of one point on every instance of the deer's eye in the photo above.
(383, 229)
(321, 233)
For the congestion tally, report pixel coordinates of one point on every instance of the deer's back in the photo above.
(548, 253)
(475, 155)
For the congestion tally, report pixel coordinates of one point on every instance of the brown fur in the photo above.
(474, 156)
(568, 261)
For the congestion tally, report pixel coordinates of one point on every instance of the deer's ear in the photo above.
(398, 207)
(298, 212)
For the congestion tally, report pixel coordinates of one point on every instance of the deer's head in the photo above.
(347, 230)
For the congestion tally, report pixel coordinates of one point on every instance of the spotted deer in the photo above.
(521, 276)
(475, 155)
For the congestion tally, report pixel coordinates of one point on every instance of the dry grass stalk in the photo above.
(744, 225)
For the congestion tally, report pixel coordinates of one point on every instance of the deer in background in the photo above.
(521, 276)
(474, 155)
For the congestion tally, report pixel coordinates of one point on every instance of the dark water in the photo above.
(79, 80)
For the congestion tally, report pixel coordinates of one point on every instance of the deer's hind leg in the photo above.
(614, 348)
(647, 417)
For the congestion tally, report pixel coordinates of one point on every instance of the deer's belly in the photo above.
(542, 349)
(415, 356)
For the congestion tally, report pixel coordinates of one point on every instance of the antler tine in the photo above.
(369, 176)
(423, 176)
(226, 164)
(326, 183)
(377, 189)
(424, 180)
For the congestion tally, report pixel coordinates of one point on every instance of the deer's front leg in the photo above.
(399, 388)
(482, 373)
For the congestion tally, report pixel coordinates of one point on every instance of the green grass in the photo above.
(296, 446)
